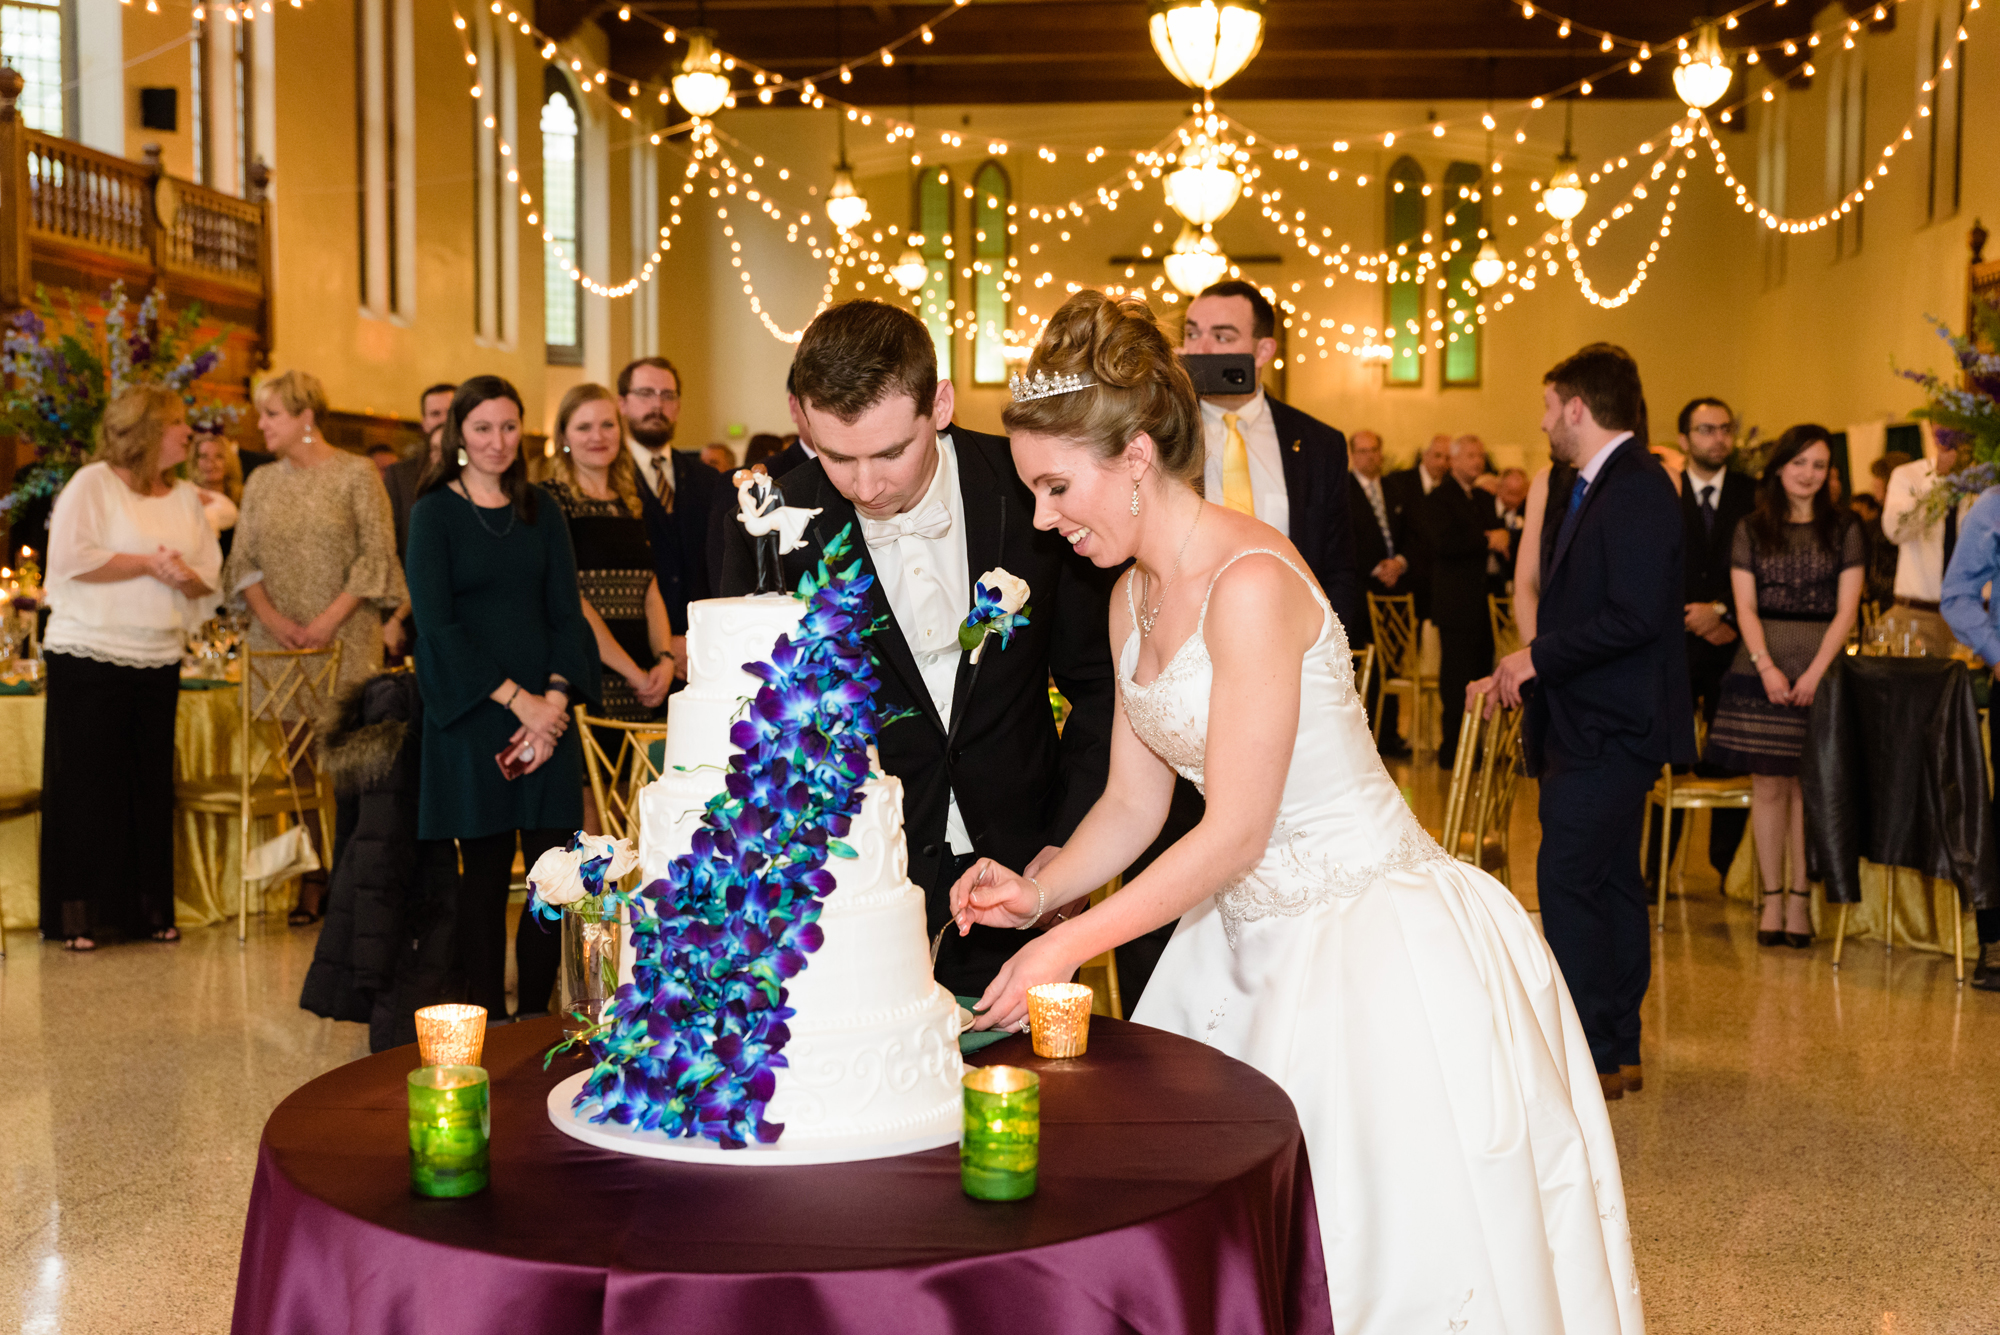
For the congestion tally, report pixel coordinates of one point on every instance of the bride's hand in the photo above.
(1004, 1004)
(990, 894)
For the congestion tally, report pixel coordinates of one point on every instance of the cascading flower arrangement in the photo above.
(59, 382)
(1964, 412)
(692, 1045)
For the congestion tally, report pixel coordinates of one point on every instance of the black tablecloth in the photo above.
(1174, 1198)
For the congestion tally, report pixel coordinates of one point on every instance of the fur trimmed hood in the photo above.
(361, 733)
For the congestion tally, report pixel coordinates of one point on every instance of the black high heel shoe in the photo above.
(1764, 938)
(1800, 940)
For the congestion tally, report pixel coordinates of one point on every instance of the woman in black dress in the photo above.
(502, 650)
(597, 485)
(1797, 569)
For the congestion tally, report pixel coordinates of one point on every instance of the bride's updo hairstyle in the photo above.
(1141, 386)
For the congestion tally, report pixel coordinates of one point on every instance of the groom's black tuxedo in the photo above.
(1019, 786)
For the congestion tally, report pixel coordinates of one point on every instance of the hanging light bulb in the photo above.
(1195, 261)
(1489, 268)
(910, 271)
(1565, 196)
(701, 87)
(1704, 73)
(1204, 43)
(1206, 186)
(845, 206)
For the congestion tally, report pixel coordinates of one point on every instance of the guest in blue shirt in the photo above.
(1975, 562)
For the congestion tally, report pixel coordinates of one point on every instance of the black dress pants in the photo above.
(1465, 654)
(1593, 897)
(107, 798)
(488, 864)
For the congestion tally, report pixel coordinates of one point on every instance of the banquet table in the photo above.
(1174, 1198)
(207, 724)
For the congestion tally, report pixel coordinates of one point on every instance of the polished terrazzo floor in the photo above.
(1815, 1151)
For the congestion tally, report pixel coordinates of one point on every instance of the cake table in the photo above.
(1174, 1198)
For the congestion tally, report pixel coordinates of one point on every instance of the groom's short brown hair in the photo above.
(861, 352)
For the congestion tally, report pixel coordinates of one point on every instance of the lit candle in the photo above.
(1001, 1148)
(1059, 1019)
(451, 1035)
(451, 1124)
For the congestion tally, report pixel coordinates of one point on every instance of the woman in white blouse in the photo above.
(132, 566)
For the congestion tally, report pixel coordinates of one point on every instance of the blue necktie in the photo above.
(1568, 529)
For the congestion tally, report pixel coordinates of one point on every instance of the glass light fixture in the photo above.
(1204, 43)
(1195, 261)
(1704, 73)
(845, 206)
(1565, 197)
(1489, 268)
(1206, 186)
(910, 270)
(701, 87)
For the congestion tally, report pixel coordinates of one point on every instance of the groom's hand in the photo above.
(1042, 859)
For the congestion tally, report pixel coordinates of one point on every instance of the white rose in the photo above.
(556, 877)
(1013, 590)
(623, 856)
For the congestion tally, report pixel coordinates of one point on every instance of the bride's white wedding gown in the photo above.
(1461, 1154)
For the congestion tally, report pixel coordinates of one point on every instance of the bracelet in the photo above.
(509, 703)
(1759, 659)
(1041, 904)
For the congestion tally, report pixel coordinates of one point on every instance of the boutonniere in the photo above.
(999, 607)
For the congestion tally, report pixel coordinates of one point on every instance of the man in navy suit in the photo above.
(1608, 702)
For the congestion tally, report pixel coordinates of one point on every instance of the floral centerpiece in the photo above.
(577, 886)
(692, 1046)
(59, 382)
(1964, 411)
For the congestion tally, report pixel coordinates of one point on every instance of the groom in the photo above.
(935, 507)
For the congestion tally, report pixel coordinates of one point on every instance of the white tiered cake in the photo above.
(873, 1066)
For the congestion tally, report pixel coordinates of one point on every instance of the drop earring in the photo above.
(1135, 498)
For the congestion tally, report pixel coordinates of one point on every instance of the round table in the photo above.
(1174, 1197)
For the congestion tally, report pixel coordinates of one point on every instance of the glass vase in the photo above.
(590, 945)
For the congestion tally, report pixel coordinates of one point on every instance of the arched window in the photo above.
(1403, 294)
(1464, 207)
(933, 214)
(561, 191)
(992, 201)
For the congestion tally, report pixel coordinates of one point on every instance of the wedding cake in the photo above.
(871, 1067)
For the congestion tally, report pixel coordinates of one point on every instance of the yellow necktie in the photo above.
(1236, 492)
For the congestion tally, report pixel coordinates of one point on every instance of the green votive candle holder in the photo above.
(1003, 1133)
(451, 1121)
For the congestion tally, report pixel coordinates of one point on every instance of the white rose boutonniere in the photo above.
(999, 607)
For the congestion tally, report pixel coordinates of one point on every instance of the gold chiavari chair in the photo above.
(285, 692)
(1399, 651)
(1100, 975)
(1690, 793)
(1364, 671)
(616, 779)
(17, 804)
(1506, 631)
(1479, 804)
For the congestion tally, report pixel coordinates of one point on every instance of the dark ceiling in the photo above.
(1097, 50)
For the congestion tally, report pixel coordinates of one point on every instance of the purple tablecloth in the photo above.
(1174, 1198)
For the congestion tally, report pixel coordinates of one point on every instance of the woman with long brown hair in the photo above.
(1797, 565)
(597, 485)
(133, 566)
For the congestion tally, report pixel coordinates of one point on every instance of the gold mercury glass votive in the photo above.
(451, 1035)
(1059, 1019)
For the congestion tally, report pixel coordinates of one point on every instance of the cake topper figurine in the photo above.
(778, 528)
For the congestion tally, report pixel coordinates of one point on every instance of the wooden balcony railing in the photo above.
(76, 217)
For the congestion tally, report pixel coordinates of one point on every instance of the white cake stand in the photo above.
(696, 1149)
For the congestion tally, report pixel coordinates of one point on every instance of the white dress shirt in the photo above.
(1589, 472)
(1710, 488)
(1267, 463)
(656, 471)
(928, 582)
(1919, 538)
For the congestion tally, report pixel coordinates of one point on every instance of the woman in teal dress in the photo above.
(502, 652)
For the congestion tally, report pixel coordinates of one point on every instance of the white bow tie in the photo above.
(931, 522)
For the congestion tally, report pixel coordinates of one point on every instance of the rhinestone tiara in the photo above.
(1045, 386)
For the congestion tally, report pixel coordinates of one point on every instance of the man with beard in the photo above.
(677, 491)
(1609, 700)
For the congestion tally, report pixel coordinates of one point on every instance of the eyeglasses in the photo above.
(1713, 429)
(655, 395)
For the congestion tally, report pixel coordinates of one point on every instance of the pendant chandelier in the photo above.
(1489, 268)
(1196, 261)
(1565, 196)
(910, 270)
(1703, 75)
(701, 86)
(846, 209)
(1204, 43)
(1206, 186)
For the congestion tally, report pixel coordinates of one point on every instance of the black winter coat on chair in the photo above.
(386, 947)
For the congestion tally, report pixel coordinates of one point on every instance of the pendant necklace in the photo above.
(1148, 619)
(480, 514)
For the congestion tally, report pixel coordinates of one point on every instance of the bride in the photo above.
(1462, 1158)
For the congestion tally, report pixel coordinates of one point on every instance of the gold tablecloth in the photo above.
(206, 853)
(1922, 905)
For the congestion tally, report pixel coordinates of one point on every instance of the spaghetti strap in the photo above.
(1202, 624)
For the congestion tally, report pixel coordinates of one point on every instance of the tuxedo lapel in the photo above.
(891, 649)
(982, 498)
(1596, 489)
(1292, 456)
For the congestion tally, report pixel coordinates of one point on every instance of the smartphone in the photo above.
(514, 761)
(1221, 372)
